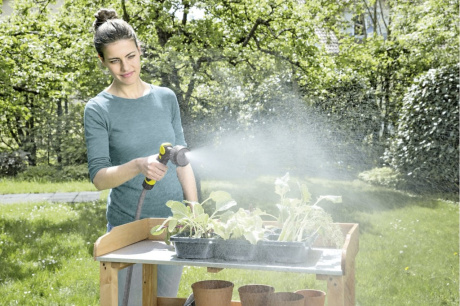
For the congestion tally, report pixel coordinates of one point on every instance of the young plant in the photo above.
(300, 221)
(242, 224)
(192, 219)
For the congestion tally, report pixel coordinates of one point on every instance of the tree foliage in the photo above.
(234, 65)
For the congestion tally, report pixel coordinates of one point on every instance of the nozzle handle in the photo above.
(163, 157)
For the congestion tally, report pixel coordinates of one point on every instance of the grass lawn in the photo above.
(408, 247)
(14, 187)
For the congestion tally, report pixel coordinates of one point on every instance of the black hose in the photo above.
(130, 268)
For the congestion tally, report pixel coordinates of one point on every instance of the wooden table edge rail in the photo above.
(340, 288)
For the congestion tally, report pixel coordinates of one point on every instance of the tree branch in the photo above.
(23, 89)
(125, 12)
(252, 32)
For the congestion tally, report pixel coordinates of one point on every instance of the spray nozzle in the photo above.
(178, 156)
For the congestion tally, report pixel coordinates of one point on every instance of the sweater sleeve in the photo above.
(97, 139)
(176, 122)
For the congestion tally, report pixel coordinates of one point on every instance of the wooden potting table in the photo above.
(132, 243)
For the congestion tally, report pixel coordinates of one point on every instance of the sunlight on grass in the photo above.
(8, 186)
(416, 249)
(47, 253)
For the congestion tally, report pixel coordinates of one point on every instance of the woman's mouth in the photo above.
(127, 75)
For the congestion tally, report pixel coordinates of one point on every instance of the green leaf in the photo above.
(157, 230)
(172, 225)
(178, 208)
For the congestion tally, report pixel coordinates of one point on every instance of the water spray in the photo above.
(177, 155)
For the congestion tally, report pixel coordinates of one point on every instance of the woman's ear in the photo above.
(101, 59)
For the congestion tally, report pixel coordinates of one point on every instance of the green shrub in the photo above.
(39, 173)
(74, 173)
(425, 149)
(384, 176)
(48, 173)
(11, 163)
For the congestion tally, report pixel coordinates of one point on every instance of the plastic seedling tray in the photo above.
(193, 248)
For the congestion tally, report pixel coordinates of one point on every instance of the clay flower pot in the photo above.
(313, 297)
(255, 295)
(213, 293)
(286, 299)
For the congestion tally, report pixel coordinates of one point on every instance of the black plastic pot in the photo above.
(272, 250)
(281, 251)
(193, 248)
(235, 249)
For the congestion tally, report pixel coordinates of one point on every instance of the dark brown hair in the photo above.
(108, 28)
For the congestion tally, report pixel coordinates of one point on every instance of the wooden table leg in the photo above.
(108, 277)
(108, 284)
(336, 289)
(350, 298)
(149, 285)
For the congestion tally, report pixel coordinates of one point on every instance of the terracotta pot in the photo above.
(286, 299)
(255, 295)
(213, 293)
(313, 297)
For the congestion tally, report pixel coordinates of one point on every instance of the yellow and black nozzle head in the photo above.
(164, 154)
(168, 153)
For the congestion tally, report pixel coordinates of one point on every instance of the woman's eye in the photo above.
(131, 56)
(114, 61)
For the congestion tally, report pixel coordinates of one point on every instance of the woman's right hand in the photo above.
(152, 169)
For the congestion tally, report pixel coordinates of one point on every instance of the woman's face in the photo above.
(123, 59)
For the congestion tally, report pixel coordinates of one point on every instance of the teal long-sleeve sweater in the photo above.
(118, 130)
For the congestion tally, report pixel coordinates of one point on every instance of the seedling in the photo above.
(192, 218)
(300, 221)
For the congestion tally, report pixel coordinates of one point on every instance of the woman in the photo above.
(124, 127)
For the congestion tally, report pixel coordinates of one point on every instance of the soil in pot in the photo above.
(255, 295)
(213, 293)
(234, 249)
(313, 297)
(193, 248)
(286, 299)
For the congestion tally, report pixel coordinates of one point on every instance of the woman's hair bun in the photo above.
(102, 16)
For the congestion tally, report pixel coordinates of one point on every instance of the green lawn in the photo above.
(408, 247)
(14, 187)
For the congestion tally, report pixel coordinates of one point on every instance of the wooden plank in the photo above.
(351, 245)
(120, 236)
(165, 301)
(108, 277)
(349, 252)
(214, 270)
(335, 291)
(149, 285)
(121, 265)
(126, 234)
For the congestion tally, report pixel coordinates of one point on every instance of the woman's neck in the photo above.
(132, 91)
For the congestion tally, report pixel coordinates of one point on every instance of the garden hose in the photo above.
(167, 153)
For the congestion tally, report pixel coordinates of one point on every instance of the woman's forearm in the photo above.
(187, 180)
(114, 176)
